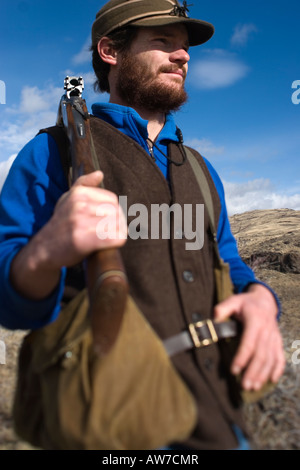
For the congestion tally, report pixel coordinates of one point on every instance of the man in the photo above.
(140, 56)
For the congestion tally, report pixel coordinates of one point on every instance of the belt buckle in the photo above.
(205, 342)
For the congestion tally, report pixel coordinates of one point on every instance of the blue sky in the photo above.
(240, 113)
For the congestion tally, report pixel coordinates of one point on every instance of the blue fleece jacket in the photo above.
(34, 185)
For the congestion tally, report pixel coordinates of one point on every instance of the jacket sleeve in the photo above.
(27, 201)
(241, 274)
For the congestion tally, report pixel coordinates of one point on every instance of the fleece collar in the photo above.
(128, 121)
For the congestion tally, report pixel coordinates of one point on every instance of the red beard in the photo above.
(138, 87)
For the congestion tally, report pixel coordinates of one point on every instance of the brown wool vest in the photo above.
(171, 285)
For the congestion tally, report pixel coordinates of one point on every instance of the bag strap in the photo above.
(206, 193)
(203, 183)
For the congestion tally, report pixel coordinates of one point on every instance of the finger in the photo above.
(83, 201)
(92, 201)
(246, 349)
(93, 179)
(274, 364)
(94, 232)
(261, 364)
(90, 181)
(228, 307)
(112, 223)
(267, 362)
(280, 361)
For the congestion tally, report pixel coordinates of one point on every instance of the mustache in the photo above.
(172, 69)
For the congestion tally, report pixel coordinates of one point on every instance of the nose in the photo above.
(180, 55)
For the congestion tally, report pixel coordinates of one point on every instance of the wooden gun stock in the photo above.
(105, 274)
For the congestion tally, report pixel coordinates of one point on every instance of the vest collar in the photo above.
(128, 121)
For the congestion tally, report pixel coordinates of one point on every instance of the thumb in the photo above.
(227, 308)
(93, 179)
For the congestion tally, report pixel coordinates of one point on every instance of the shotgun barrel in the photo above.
(106, 279)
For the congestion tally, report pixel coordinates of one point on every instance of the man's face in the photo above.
(152, 73)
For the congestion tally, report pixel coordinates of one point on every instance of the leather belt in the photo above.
(201, 334)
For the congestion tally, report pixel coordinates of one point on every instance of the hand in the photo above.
(81, 220)
(260, 356)
(68, 237)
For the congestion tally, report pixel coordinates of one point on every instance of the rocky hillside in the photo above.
(269, 241)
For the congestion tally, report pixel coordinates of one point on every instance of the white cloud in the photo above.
(257, 194)
(89, 78)
(242, 33)
(35, 100)
(37, 109)
(217, 69)
(205, 147)
(84, 55)
(4, 169)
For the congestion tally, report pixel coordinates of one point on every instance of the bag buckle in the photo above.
(207, 324)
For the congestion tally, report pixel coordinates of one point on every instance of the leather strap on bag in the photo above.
(207, 332)
(199, 335)
(204, 187)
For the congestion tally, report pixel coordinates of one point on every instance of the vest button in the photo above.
(188, 276)
(209, 364)
(197, 317)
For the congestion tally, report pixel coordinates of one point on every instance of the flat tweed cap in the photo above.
(118, 13)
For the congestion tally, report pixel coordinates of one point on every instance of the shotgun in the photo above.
(106, 279)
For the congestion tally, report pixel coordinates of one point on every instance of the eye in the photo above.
(161, 40)
(185, 46)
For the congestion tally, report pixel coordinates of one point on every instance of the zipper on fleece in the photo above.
(150, 148)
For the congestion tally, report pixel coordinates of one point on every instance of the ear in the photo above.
(106, 51)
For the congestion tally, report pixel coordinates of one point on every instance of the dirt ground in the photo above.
(270, 243)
